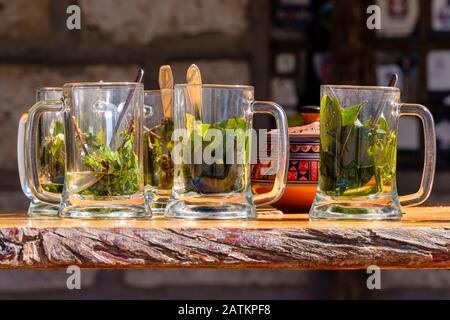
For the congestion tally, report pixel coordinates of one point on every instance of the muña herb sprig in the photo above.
(357, 158)
(116, 172)
(52, 158)
(220, 177)
(158, 164)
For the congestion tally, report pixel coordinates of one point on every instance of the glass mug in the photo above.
(212, 179)
(158, 147)
(104, 161)
(51, 154)
(357, 175)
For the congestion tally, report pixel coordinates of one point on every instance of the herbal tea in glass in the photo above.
(104, 160)
(108, 172)
(358, 152)
(158, 147)
(212, 152)
(223, 176)
(52, 156)
(358, 158)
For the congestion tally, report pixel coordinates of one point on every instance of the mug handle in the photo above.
(420, 111)
(31, 152)
(278, 113)
(21, 159)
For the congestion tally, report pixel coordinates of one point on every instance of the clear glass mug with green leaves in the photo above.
(212, 153)
(50, 146)
(103, 150)
(158, 147)
(358, 156)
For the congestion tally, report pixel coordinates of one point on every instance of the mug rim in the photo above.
(156, 91)
(101, 84)
(356, 87)
(49, 89)
(217, 86)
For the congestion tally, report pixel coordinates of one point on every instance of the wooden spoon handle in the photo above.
(166, 84)
(194, 88)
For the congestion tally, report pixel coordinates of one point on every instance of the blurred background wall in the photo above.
(285, 48)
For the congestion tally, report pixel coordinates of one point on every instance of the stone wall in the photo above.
(142, 21)
(228, 39)
(115, 38)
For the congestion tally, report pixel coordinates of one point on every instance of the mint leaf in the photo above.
(356, 159)
(350, 114)
(330, 123)
(117, 171)
(220, 176)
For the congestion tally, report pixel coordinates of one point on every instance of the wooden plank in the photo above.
(420, 240)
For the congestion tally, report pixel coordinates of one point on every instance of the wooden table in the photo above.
(421, 240)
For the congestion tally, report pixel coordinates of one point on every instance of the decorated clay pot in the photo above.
(303, 172)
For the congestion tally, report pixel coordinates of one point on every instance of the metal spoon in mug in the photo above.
(125, 108)
(392, 84)
(393, 81)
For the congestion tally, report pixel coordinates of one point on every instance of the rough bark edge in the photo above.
(401, 248)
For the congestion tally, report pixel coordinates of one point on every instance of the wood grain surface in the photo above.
(420, 241)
